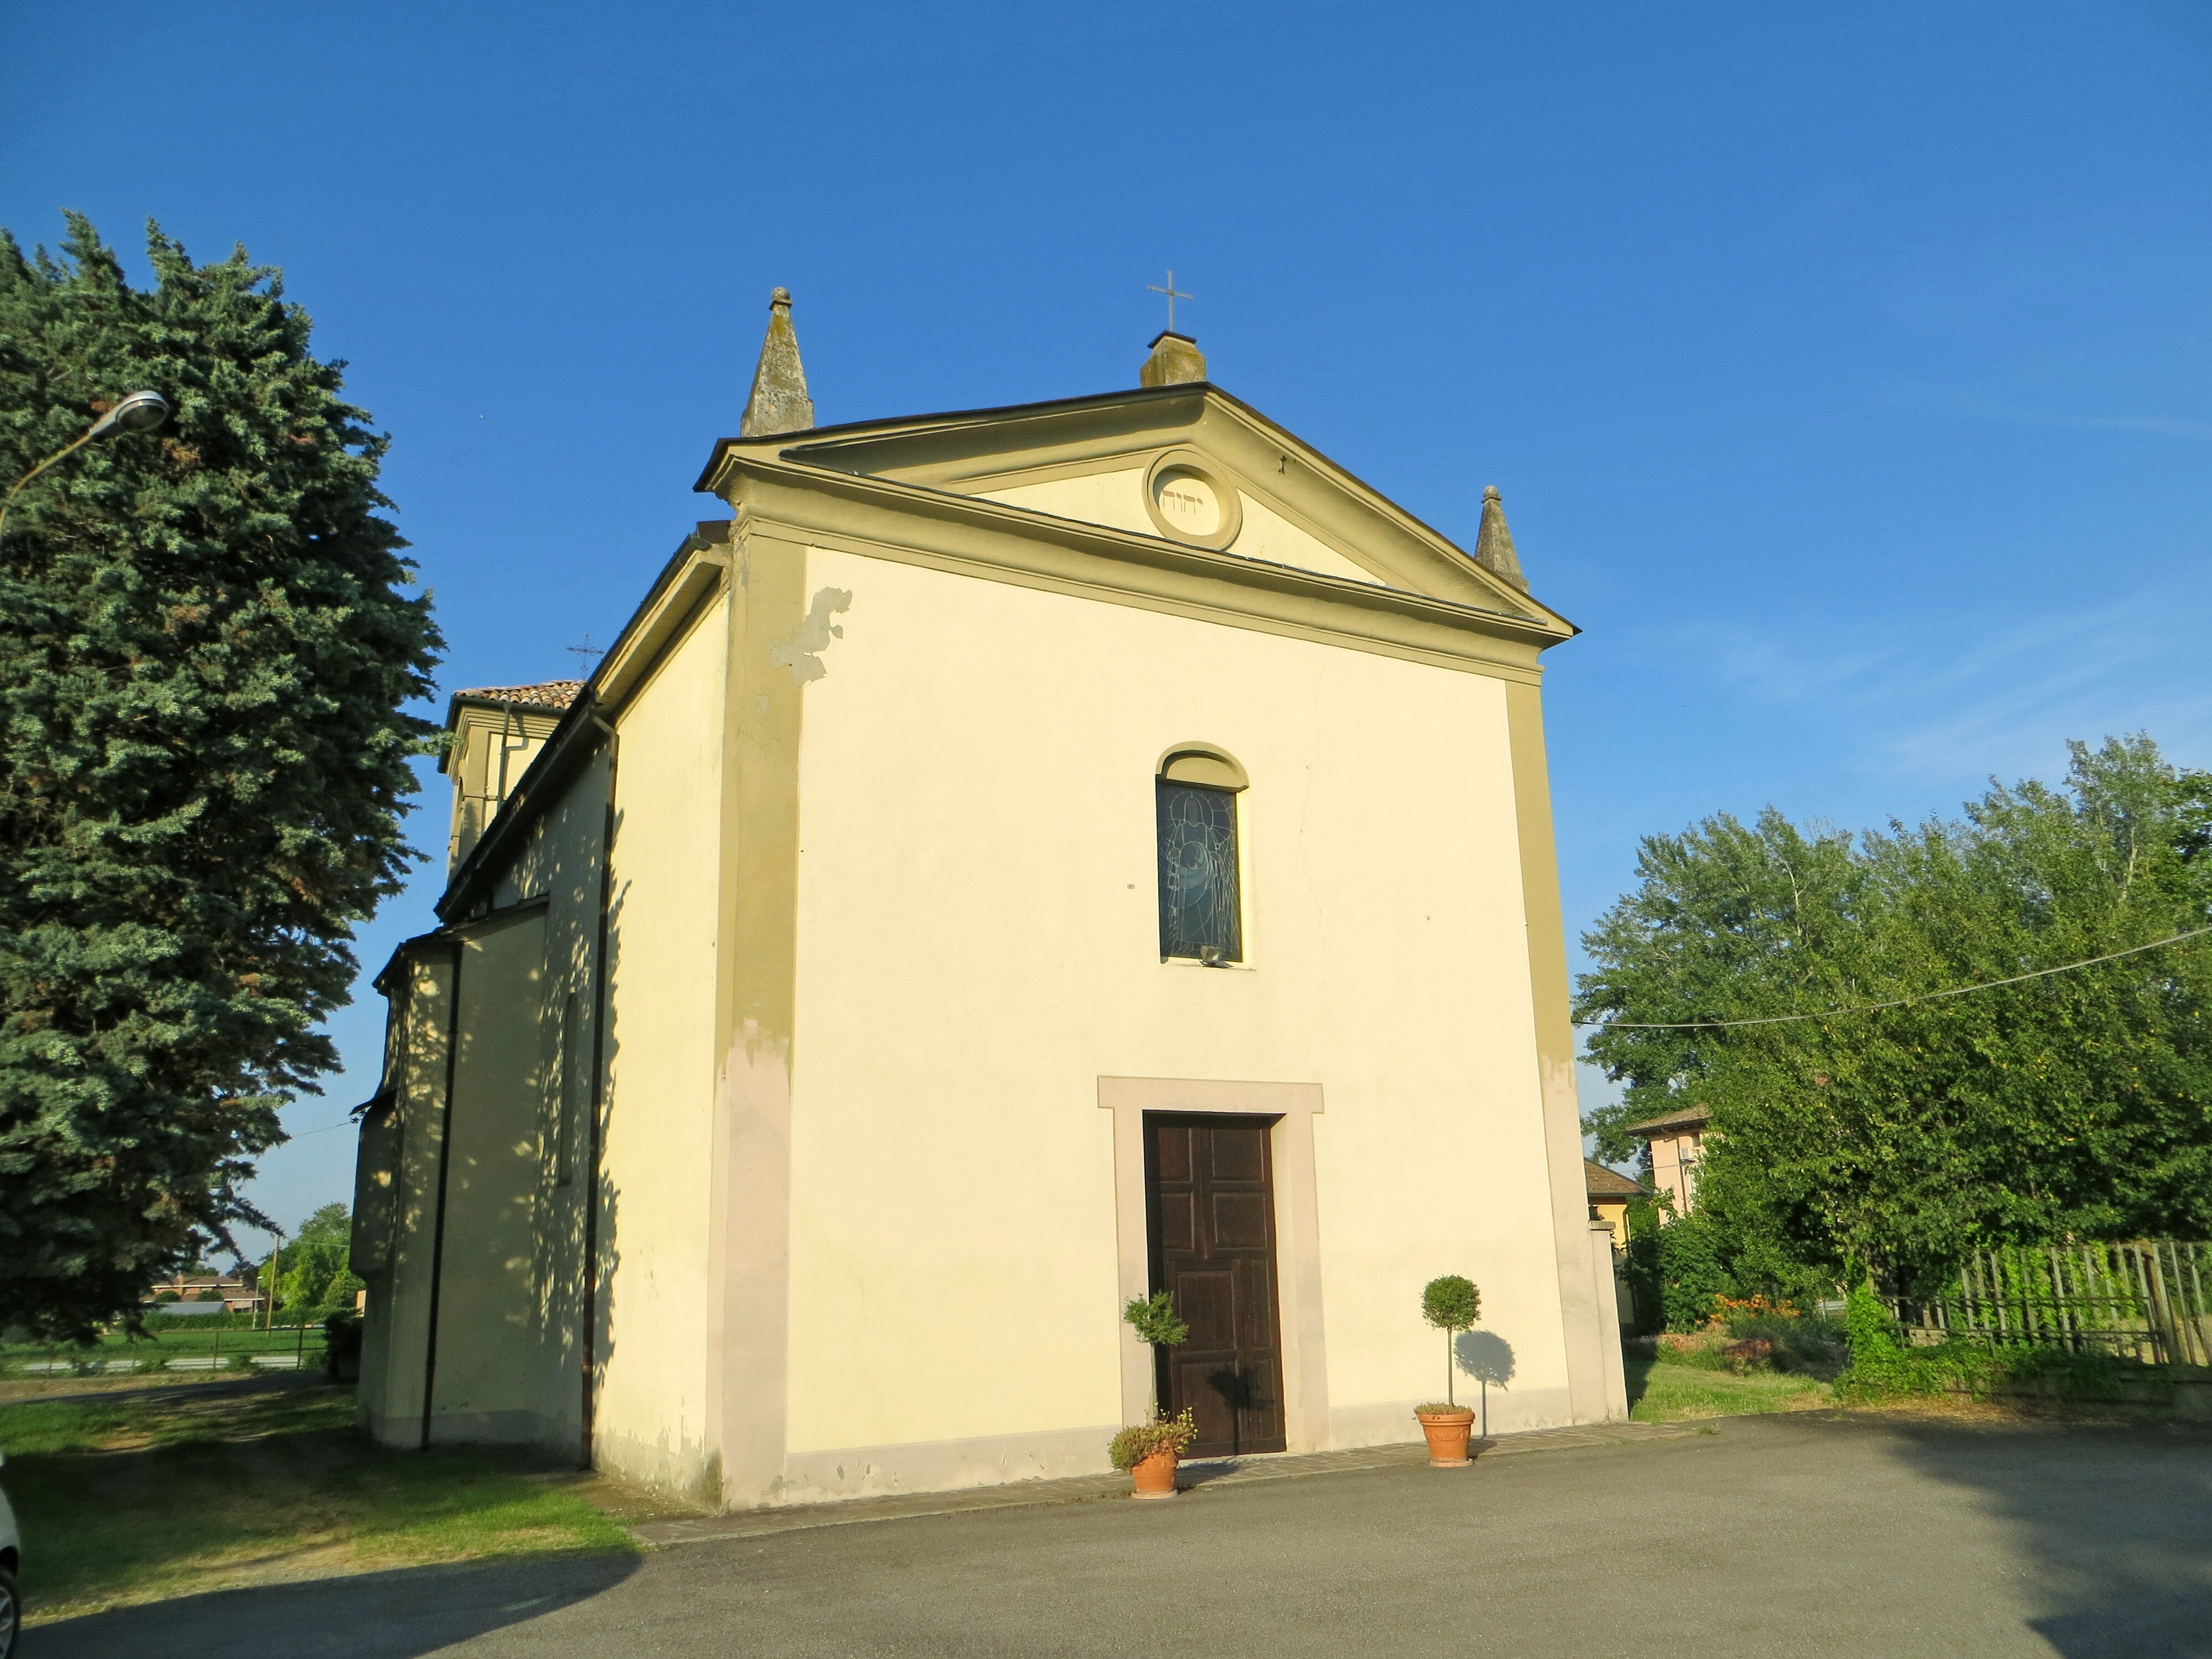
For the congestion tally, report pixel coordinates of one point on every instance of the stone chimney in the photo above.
(779, 402)
(1493, 541)
(1175, 361)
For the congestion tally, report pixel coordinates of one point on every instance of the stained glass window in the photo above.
(1199, 907)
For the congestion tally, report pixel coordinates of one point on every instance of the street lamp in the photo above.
(141, 412)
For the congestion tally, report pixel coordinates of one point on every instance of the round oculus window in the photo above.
(1187, 502)
(1187, 497)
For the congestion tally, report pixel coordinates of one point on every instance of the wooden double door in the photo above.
(1210, 1210)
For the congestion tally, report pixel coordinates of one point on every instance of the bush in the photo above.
(1796, 1343)
(2070, 1376)
(1141, 1440)
(342, 1347)
(1675, 1267)
(1884, 1366)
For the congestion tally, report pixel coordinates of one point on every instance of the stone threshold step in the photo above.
(1191, 1477)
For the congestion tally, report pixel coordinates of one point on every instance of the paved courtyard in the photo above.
(1816, 1535)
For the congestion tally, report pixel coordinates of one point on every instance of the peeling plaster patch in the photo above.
(801, 653)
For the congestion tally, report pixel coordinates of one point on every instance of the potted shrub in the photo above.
(1151, 1449)
(1451, 1304)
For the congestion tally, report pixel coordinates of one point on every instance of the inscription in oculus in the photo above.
(1186, 501)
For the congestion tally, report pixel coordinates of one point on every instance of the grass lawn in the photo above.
(1661, 1392)
(174, 1345)
(140, 1496)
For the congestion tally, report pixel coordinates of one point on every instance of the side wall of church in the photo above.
(978, 947)
(559, 868)
(509, 1270)
(486, 1382)
(395, 1333)
(650, 1423)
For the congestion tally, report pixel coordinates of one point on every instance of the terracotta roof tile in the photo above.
(547, 694)
(1610, 1183)
(1692, 1117)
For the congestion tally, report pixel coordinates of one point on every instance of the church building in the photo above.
(1017, 860)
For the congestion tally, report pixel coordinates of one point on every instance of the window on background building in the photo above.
(1201, 905)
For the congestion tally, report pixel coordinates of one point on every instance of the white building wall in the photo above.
(651, 1420)
(978, 946)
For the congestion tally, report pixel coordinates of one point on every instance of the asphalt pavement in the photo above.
(1821, 1533)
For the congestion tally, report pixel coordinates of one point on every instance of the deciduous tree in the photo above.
(2077, 1104)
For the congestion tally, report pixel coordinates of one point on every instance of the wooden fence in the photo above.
(2150, 1300)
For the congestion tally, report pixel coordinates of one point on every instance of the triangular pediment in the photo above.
(1182, 463)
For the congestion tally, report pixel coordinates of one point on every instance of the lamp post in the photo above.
(141, 412)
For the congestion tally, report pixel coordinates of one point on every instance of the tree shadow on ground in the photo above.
(380, 1615)
(2115, 1521)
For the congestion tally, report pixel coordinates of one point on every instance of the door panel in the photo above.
(1242, 1220)
(1209, 1198)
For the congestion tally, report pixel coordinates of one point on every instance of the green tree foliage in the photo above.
(204, 654)
(2078, 1104)
(1692, 1269)
(310, 1267)
(1677, 1266)
(1450, 1303)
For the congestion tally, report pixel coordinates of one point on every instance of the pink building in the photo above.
(1675, 1143)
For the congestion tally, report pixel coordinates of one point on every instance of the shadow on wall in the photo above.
(2115, 1523)
(605, 1253)
(552, 1294)
(1484, 1356)
(380, 1615)
(1488, 1359)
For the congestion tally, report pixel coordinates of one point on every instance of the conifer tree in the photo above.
(204, 653)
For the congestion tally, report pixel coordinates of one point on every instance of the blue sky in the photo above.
(1845, 370)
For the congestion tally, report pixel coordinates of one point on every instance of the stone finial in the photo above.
(779, 402)
(1175, 361)
(1493, 541)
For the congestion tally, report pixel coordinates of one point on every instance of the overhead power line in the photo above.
(1876, 1008)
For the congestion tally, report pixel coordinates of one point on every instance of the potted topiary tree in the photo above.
(1151, 1449)
(1451, 1304)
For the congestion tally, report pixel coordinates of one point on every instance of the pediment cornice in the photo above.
(968, 452)
(973, 535)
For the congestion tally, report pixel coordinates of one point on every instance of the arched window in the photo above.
(1201, 912)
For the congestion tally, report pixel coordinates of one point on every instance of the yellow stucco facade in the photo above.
(765, 1119)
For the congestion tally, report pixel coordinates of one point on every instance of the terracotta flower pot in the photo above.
(1446, 1433)
(1155, 1476)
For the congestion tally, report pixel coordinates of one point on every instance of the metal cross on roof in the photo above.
(1170, 290)
(587, 654)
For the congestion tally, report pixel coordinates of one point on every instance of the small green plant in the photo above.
(1163, 1434)
(1451, 1304)
(1155, 1320)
